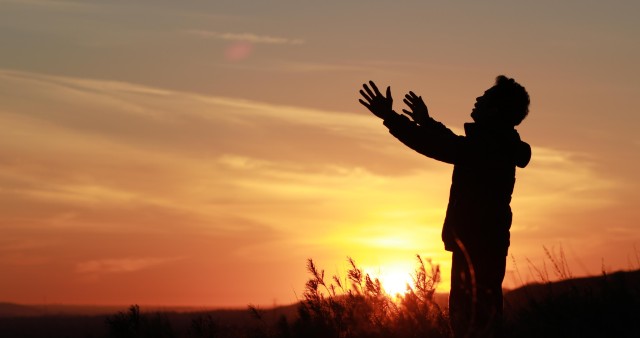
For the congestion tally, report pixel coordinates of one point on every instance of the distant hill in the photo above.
(513, 299)
(602, 306)
(35, 321)
(20, 310)
(594, 286)
(17, 310)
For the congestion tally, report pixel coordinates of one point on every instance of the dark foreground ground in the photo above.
(120, 323)
(603, 306)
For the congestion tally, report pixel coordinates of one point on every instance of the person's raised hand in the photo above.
(419, 112)
(380, 105)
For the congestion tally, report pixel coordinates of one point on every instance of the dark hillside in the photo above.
(602, 306)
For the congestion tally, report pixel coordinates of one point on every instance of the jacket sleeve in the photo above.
(431, 139)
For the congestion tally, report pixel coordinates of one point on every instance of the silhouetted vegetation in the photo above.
(356, 306)
(359, 307)
(132, 324)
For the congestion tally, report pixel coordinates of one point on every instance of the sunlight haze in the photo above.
(198, 153)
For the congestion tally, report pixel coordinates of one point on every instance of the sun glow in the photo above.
(394, 279)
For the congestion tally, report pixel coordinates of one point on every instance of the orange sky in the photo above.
(198, 154)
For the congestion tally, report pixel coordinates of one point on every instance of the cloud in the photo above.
(120, 265)
(155, 175)
(559, 181)
(245, 37)
(52, 4)
(309, 67)
(113, 156)
(94, 154)
(127, 118)
(82, 133)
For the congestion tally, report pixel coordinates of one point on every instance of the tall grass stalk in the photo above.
(359, 306)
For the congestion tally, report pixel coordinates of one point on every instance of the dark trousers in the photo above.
(475, 301)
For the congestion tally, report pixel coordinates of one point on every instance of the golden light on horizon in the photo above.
(206, 154)
(379, 212)
(394, 278)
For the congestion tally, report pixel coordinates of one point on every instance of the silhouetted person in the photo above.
(476, 227)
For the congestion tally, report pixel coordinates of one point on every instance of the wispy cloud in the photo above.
(121, 154)
(155, 174)
(246, 37)
(293, 66)
(272, 177)
(52, 4)
(121, 130)
(120, 265)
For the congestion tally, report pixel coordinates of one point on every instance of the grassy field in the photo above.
(356, 306)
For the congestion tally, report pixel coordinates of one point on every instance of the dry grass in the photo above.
(356, 306)
(359, 307)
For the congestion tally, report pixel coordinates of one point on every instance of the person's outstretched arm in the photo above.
(423, 134)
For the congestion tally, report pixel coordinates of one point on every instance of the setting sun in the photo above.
(394, 278)
(197, 153)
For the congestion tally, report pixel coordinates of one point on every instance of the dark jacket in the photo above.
(485, 160)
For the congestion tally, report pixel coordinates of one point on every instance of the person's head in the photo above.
(504, 104)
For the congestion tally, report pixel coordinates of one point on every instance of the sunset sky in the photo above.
(198, 152)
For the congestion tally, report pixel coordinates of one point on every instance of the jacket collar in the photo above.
(475, 130)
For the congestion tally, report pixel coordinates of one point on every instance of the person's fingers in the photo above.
(375, 88)
(408, 112)
(371, 94)
(408, 98)
(416, 101)
(388, 92)
(367, 97)
(365, 104)
(413, 94)
(408, 103)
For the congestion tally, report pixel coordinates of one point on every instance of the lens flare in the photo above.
(238, 51)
